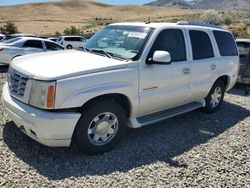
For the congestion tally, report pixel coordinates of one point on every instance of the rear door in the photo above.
(203, 62)
(33, 46)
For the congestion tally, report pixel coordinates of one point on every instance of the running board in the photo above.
(166, 114)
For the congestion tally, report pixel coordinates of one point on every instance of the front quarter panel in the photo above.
(76, 91)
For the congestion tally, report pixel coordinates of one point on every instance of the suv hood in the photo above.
(63, 64)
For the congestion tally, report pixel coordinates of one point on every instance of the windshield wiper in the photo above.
(109, 55)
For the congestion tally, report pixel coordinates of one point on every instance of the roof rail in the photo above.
(199, 24)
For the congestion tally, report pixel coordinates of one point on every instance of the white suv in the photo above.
(131, 74)
(72, 42)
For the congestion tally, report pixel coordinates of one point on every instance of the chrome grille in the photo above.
(17, 83)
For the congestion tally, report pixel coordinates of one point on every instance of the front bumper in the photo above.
(243, 80)
(48, 128)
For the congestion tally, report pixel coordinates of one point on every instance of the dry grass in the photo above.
(46, 18)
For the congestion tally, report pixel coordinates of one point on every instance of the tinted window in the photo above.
(72, 39)
(53, 46)
(172, 41)
(201, 45)
(226, 43)
(33, 44)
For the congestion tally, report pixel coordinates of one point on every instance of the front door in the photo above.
(165, 86)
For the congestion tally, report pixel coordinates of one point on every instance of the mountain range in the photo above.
(225, 5)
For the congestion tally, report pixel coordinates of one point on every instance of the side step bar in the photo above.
(166, 114)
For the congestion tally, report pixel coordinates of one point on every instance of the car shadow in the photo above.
(158, 142)
(240, 89)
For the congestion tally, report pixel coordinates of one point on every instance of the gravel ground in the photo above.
(192, 150)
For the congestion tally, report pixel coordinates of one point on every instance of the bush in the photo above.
(9, 28)
(212, 17)
(228, 20)
(57, 33)
(71, 31)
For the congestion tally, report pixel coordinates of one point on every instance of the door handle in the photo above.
(186, 70)
(213, 67)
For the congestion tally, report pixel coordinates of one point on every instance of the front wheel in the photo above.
(215, 97)
(100, 128)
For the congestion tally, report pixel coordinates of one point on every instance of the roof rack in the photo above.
(199, 24)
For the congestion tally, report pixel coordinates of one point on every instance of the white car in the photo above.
(131, 74)
(19, 46)
(72, 42)
(2, 37)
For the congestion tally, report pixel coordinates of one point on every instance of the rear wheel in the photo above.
(69, 47)
(100, 128)
(215, 97)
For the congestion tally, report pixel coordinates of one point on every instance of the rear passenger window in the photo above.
(33, 44)
(226, 43)
(172, 41)
(201, 45)
(72, 39)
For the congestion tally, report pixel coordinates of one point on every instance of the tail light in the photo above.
(1, 49)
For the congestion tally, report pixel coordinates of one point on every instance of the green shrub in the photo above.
(212, 17)
(9, 28)
(71, 31)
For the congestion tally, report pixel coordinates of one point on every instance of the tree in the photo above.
(9, 28)
(71, 31)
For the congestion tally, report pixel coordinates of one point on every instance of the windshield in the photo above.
(11, 40)
(124, 42)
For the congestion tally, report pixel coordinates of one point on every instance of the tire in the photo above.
(69, 47)
(95, 123)
(215, 97)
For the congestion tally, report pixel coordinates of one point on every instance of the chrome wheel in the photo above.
(102, 129)
(216, 97)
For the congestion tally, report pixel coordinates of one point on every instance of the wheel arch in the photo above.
(119, 98)
(225, 79)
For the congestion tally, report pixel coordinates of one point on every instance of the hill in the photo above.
(226, 5)
(46, 18)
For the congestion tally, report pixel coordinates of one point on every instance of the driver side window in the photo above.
(172, 41)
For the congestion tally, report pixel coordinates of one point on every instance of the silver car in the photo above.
(19, 46)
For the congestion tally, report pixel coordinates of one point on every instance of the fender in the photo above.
(80, 97)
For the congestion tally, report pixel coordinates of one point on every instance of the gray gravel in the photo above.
(192, 150)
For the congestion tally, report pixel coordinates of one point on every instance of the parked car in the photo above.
(244, 52)
(54, 39)
(131, 74)
(18, 35)
(9, 49)
(2, 37)
(71, 42)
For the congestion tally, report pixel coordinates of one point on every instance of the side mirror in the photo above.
(161, 58)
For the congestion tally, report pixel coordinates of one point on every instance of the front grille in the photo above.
(17, 83)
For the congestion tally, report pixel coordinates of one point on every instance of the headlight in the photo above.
(42, 94)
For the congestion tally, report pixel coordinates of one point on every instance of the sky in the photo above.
(115, 2)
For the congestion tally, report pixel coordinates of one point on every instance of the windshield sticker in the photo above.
(137, 35)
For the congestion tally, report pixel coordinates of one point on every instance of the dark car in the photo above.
(244, 52)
